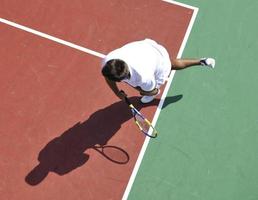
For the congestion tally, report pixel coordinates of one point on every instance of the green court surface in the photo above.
(208, 143)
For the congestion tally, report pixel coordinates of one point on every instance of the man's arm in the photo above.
(113, 86)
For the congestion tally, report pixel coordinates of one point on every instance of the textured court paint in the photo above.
(98, 27)
(208, 146)
(47, 115)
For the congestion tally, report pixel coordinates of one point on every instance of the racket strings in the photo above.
(143, 124)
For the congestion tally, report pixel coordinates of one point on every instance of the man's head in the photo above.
(116, 70)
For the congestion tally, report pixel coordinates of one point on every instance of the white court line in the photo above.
(157, 113)
(181, 4)
(44, 35)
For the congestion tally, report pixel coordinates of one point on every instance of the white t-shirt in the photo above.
(149, 63)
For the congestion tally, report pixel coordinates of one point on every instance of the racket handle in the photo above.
(125, 96)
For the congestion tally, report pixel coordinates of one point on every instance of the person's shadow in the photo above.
(66, 152)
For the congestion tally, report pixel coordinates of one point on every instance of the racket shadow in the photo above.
(113, 153)
(67, 152)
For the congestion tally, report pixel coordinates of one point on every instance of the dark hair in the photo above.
(115, 70)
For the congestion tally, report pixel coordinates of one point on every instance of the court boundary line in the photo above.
(162, 100)
(181, 4)
(52, 38)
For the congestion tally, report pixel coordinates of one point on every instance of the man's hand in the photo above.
(121, 94)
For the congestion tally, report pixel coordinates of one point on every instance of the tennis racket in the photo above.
(142, 122)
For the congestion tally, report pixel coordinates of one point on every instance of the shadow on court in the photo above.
(66, 152)
(170, 100)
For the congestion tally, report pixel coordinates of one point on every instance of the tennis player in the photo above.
(145, 65)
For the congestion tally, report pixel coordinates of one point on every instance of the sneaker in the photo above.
(148, 99)
(210, 62)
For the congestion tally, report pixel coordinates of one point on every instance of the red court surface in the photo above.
(55, 106)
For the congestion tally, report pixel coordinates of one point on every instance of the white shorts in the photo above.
(164, 68)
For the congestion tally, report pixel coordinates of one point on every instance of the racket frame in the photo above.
(135, 112)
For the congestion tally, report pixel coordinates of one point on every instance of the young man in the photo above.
(145, 65)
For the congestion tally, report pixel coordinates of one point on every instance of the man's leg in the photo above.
(178, 64)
